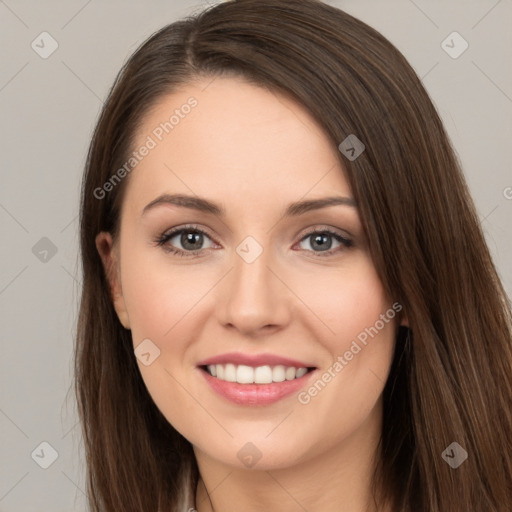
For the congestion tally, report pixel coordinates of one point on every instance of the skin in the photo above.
(253, 152)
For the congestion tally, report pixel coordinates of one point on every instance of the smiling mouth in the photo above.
(265, 374)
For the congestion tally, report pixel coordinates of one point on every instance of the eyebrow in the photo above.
(206, 206)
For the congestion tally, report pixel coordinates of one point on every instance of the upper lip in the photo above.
(254, 360)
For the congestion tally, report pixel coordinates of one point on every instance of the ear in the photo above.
(404, 320)
(108, 252)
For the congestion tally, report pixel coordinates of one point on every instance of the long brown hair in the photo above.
(451, 376)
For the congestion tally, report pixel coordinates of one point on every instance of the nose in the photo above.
(254, 298)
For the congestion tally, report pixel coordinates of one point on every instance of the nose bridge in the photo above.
(253, 296)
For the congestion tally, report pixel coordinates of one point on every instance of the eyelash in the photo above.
(165, 237)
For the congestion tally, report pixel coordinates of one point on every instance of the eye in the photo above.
(190, 238)
(322, 239)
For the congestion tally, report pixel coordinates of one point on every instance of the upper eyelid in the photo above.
(171, 233)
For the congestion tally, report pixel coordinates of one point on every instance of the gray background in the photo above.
(48, 110)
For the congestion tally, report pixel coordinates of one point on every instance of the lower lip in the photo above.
(255, 394)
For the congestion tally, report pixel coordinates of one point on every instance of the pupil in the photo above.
(321, 239)
(191, 238)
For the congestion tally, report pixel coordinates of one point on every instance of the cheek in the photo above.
(160, 305)
(163, 303)
(159, 296)
(360, 341)
(348, 301)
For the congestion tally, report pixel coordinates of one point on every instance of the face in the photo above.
(239, 283)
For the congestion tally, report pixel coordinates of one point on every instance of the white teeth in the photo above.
(244, 374)
(290, 373)
(230, 373)
(262, 375)
(301, 372)
(278, 374)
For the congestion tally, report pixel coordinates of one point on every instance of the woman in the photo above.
(288, 302)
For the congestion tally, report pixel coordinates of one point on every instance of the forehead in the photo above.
(226, 137)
